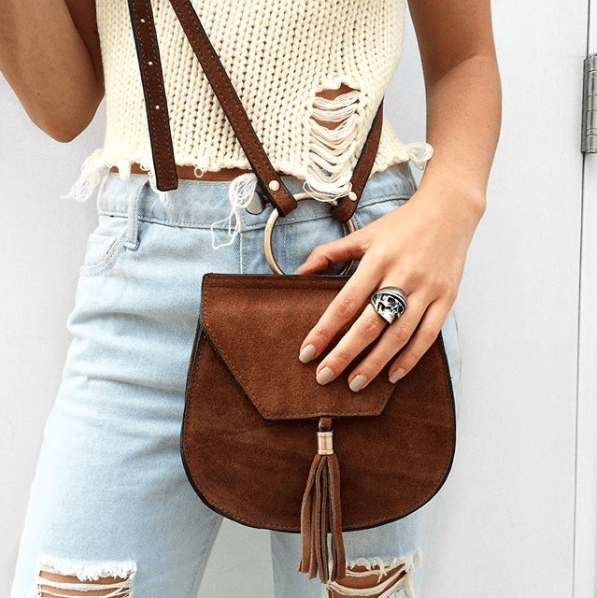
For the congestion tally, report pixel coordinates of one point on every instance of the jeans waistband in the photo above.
(201, 204)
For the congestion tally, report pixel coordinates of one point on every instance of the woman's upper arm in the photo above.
(450, 31)
(83, 14)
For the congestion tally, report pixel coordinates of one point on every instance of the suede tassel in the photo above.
(321, 512)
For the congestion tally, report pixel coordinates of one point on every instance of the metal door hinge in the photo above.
(589, 108)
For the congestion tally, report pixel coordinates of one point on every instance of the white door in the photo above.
(509, 528)
(586, 470)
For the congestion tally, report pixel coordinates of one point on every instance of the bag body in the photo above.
(257, 441)
(248, 442)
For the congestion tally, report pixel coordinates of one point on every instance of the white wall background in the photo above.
(507, 524)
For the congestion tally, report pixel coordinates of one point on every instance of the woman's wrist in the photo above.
(445, 190)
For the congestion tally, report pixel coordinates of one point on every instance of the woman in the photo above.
(111, 511)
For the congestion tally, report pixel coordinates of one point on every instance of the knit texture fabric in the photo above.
(279, 54)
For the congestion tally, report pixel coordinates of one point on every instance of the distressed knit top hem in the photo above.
(281, 57)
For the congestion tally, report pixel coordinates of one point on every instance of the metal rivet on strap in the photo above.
(157, 106)
(352, 196)
(149, 63)
(274, 185)
(142, 20)
(325, 446)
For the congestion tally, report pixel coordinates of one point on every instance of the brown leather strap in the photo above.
(269, 181)
(148, 54)
(153, 83)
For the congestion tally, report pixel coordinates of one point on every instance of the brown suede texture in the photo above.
(250, 424)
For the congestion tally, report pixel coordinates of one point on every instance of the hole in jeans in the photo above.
(376, 578)
(57, 580)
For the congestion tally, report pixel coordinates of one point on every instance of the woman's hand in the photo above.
(419, 247)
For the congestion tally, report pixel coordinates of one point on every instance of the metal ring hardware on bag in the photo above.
(269, 229)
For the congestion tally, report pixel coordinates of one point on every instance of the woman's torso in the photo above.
(297, 66)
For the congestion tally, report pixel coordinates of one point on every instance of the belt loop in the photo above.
(132, 235)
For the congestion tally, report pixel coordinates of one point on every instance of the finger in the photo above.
(345, 305)
(393, 339)
(361, 334)
(423, 338)
(326, 254)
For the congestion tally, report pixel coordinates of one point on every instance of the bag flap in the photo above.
(257, 323)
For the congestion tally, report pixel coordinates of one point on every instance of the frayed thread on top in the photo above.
(329, 171)
(95, 165)
(162, 195)
(412, 153)
(240, 194)
(91, 171)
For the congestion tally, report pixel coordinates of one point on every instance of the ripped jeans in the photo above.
(110, 500)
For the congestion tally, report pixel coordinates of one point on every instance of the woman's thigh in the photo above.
(110, 496)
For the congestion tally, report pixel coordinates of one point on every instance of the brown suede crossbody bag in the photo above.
(256, 439)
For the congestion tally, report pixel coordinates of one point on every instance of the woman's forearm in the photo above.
(49, 66)
(463, 123)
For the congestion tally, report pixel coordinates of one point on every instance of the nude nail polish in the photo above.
(307, 354)
(358, 382)
(396, 375)
(325, 375)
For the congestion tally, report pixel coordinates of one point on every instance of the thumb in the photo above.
(326, 254)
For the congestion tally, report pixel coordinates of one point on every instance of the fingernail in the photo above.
(307, 354)
(358, 382)
(396, 375)
(326, 375)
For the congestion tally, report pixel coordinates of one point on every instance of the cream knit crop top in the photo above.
(279, 55)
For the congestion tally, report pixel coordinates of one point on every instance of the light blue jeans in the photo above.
(110, 496)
